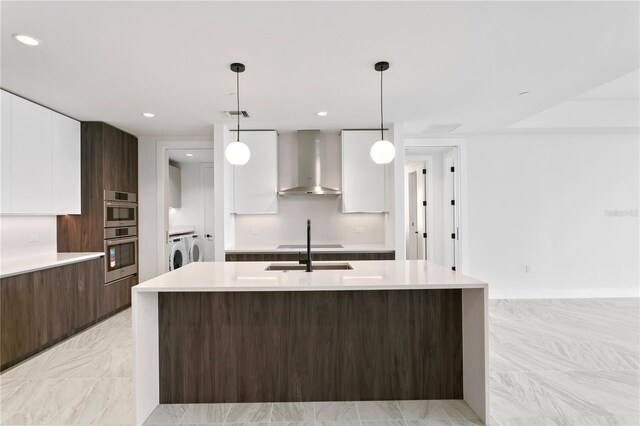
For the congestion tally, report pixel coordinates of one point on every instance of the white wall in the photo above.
(148, 202)
(16, 233)
(329, 225)
(541, 200)
(224, 235)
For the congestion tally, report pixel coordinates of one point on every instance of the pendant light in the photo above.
(237, 153)
(383, 151)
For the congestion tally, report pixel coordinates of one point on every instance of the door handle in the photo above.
(209, 236)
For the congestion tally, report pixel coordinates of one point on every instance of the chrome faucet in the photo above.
(307, 261)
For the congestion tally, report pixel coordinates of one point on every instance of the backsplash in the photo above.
(26, 236)
(328, 224)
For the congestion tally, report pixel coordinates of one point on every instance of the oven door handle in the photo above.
(126, 204)
(109, 243)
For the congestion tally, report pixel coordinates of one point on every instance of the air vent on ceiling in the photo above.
(441, 128)
(234, 114)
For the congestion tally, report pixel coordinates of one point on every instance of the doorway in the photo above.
(188, 203)
(431, 195)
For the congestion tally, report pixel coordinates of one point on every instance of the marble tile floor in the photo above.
(552, 362)
(372, 413)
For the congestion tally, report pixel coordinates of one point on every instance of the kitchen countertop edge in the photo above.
(345, 249)
(365, 275)
(39, 263)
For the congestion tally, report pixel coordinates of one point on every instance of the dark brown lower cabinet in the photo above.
(117, 295)
(293, 257)
(18, 317)
(41, 308)
(89, 292)
(55, 291)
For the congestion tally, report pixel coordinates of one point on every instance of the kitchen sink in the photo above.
(316, 267)
(313, 246)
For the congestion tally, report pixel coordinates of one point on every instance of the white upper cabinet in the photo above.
(5, 153)
(363, 181)
(256, 183)
(40, 159)
(66, 164)
(31, 158)
(175, 187)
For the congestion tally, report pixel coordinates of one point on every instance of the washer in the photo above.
(178, 255)
(194, 247)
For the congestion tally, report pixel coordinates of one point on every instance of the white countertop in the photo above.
(365, 275)
(36, 263)
(346, 248)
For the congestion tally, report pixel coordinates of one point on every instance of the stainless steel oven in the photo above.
(121, 254)
(120, 209)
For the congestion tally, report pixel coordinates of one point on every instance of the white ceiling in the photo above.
(613, 105)
(451, 62)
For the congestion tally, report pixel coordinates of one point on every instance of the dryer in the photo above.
(178, 254)
(194, 248)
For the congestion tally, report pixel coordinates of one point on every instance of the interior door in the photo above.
(208, 246)
(412, 238)
(449, 210)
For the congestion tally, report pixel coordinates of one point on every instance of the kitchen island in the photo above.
(215, 332)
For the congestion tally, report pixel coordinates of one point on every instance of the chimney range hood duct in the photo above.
(309, 166)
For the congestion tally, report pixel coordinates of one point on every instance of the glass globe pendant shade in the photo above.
(237, 153)
(382, 152)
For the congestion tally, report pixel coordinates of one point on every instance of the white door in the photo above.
(208, 246)
(412, 238)
(449, 211)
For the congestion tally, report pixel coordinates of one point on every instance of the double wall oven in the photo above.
(120, 235)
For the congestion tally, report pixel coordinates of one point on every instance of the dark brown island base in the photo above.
(385, 330)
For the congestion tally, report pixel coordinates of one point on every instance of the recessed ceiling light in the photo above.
(148, 114)
(25, 39)
(189, 155)
(322, 113)
(523, 93)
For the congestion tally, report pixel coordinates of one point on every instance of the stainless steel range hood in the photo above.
(309, 166)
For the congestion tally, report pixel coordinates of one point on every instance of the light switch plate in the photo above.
(359, 230)
(34, 238)
(254, 231)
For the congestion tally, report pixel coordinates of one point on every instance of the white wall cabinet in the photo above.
(65, 164)
(175, 187)
(256, 183)
(5, 153)
(363, 181)
(40, 159)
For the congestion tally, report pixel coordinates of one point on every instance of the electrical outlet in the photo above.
(359, 230)
(527, 269)
(34, 238)
(254, 231)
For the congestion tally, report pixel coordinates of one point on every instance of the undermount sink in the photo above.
(313, 246)
(316, 267)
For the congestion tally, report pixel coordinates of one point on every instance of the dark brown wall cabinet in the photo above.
(109, 159)
(293, 257)
(41, 308)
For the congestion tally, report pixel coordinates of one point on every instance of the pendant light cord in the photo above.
(381, 111)
(238, 104)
